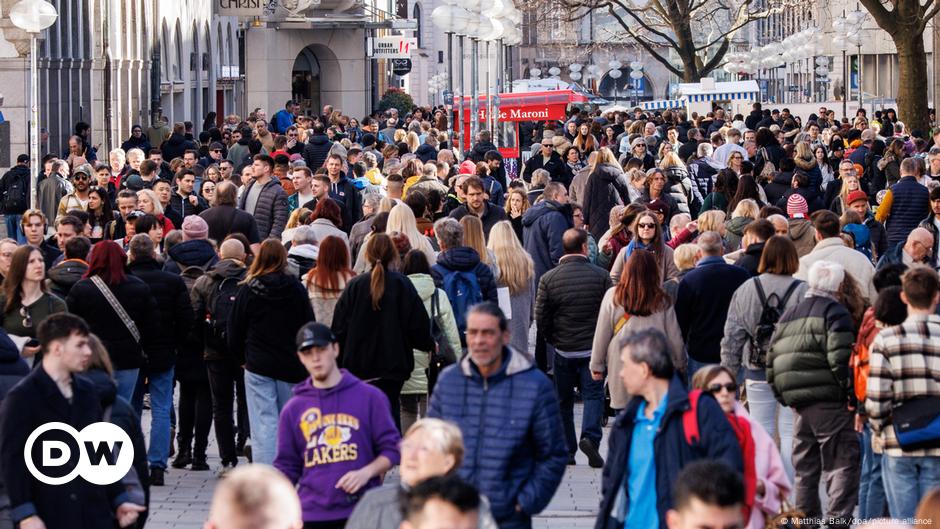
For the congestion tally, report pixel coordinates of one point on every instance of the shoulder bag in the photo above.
(116, 305)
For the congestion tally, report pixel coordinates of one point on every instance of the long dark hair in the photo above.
(13, 282)
(106, 214)
(747, 188)
(639, 291)
(381, 254)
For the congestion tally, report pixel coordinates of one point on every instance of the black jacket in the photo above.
(477, 153)
(381, 343)
(776, 188)
(12, 369)
(491, 215)
(568, 302)
(176, 314)
(63, 276)
(316, 151)
(196, 252)
(35, 401)
(175, 146)
(185, 208)
(268, 312)
(465, 259)
(350, 201)
(750, 258)
(204, 296)
(50, 253)
(226, 220)
(555, 166)
(134, 295)
(606, 187)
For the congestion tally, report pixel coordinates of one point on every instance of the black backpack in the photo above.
(770, 314)
(220, 310)
(14, 194)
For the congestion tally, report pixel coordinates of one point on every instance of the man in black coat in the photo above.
(547, 159)
(755, 236)
(318, 147)
(54, 393)
(14, 196)
(566, 308)
(476, 204)
(176, 319)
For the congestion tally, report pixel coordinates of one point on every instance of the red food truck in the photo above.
(516, 108)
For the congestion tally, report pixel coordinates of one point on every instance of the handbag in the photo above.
(917, 423)
(789, 517)
(443, 355)
(109, 296)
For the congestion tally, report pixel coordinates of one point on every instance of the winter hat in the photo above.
(797, 206)
(855, 196)
(467, 167)
(658, 206)
(194, 227)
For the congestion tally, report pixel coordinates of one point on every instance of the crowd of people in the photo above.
(748, 302)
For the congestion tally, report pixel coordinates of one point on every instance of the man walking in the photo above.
(265, 199)
(543, 226)
(14, 193)
(477, 204)
(509, 418)
(566, 308)
(903, 367)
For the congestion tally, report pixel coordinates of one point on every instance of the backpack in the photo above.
(220, 307)
(463, 291)
(190, 274)
(760, 340)
(14, 194)
(690, 419)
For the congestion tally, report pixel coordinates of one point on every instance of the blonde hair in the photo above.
(157, 206)
(401, 219)
(604, 156)
(516, 268)
(294, 220)
(400, 136)
(413, 141)
(99, 355)
(746, 208)
(386, 205)
(136, 154)
(684, 256)
(713, 220)
(670, 160)
(445, 435)
(474, 238)
(256, 496)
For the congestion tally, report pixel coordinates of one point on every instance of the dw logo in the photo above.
(102, 453)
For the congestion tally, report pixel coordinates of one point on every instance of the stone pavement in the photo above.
(183, 503)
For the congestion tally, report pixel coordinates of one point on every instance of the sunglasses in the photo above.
(716, 388)
(80, 177)
(546, 145)
(216, 150)
(645, 225)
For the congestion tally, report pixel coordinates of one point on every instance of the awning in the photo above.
(662, 104)
(722, 96)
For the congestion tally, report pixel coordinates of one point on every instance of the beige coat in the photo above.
(855, 263)
(605, 353)
(667, 271)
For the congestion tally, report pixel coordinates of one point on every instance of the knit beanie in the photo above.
(194, 227)
(468, 167)
(797, 206)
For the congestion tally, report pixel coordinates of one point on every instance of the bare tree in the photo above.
(906, 24)
(700, 31)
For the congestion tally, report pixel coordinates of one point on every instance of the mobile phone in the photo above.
(32, 343)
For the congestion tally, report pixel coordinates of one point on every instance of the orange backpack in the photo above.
(859, 361)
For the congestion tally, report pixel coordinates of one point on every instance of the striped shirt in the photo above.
(904, 363)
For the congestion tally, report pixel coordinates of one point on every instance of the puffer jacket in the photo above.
(316, 151)
(176, 314)
(196, 252)
(203, 297)
(543, 226)
(686, 195)
(268, 312)
(63, 276)
(135, 296)
(271, 211)
(478, 152)
(417, 384)
(703, 171)
(175, 146)
(569, 301)
(606, 187)
(808, 360)
(515, 452)
(670, 454)
(465, 259)
(811, 169)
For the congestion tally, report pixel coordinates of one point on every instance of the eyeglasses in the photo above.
(27, 319)
(216, 150)
(645, 226)
(546, 145)
(716, 388)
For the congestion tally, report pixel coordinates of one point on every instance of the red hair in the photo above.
(328, 209)
(107, 261)
(332, 264)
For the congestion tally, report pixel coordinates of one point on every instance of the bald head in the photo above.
(226, 194)
(710, 243)
(232, 249)
(575, 241)
(254, 497)
(919, 244)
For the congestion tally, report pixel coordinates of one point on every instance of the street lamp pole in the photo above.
(33, 16)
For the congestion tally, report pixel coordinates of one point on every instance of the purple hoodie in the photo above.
(325, 433)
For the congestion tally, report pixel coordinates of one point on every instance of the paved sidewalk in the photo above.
(183, 503)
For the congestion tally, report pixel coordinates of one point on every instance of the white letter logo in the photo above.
(105, 453)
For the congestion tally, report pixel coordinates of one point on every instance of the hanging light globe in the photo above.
(575, 67)
(574, 76)
(615, 74)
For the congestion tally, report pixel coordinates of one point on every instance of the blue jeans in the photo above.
(571, 372)
(871, 489)
(14, 230)
(907, 480)
(774, 417)
(265, 397)
(695, 365)
(161, 402)
(126, 382)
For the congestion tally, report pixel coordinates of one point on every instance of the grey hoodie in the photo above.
(743, 316)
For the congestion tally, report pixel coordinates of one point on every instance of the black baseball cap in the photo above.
(314, 334)
(23, 158)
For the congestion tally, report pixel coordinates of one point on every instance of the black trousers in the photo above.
(332, 524)
(195, 418)
(392, 390)
(227, 382)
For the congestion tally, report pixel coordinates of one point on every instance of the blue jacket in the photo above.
(514, 443)
(671, 452)
(702, 302)
(910, 204)
(281, 121)
(465, 259)
(543, 226)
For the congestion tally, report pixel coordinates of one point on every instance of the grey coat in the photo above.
(379, 509)
(744, 314)
(271, 211)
